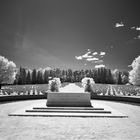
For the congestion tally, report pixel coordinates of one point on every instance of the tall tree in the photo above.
(34, 76)
(70, 75)
(134, 74)
(125, 77)
(28, 78)
(7, 71)
(119, 78)
(19, 76)
(39, 77)
(46, 76)
(109, 77)
(58, 73)
(23, 76)
(115, 76)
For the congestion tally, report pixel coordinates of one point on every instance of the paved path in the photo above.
(71, 88)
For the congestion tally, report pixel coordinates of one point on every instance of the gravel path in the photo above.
(69, 128)
(71, 88)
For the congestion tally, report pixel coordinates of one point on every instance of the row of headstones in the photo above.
(113, 92)
(110, 92)
(29, 92)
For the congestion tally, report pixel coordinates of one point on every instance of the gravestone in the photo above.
(60, 99)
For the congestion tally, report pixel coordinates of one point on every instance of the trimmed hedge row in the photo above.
(21, 97)
(33, 97)
(128, 99)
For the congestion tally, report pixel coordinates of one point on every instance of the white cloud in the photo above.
(138, 37)
(138, 28)
(99, 66)
(87, 55)
(95, 53)
(119, 25)
(89, 50)
(102, 53)
(78, 57)
(92, 59)
(90, 56)
(99, 61)
(133, 27)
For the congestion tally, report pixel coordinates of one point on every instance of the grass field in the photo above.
(26, 89)
(99, 89)
(115, 90)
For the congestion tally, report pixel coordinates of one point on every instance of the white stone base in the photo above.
(68, 99)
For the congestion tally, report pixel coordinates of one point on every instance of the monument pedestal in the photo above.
(60, 99)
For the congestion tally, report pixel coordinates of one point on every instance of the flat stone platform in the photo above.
(41, 110)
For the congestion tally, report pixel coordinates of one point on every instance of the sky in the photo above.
(76, 34)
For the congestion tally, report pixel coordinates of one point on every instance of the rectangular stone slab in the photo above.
(59, 99)
(67, 108)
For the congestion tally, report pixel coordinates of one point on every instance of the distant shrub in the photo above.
(88, 83)
(54, 84)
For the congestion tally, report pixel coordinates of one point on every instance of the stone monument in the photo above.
(59, 99)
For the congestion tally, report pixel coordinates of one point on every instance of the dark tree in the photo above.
(46, 76)
(109, 77)
(21, 76)
(28, 78)
(34, 76)
(39, 77)
(69, 75)
(119, 78)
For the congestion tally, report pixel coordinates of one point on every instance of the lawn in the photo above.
(69, 128)
(99, 89)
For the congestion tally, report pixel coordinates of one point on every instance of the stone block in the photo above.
(59, 99)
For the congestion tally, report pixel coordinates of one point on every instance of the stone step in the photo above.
(50, 114)
(69, 111)
(68, 108)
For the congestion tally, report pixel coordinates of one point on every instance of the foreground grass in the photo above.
(69, 128)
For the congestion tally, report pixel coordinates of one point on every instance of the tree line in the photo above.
(42, 76)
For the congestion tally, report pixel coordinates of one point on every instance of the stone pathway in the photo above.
(72, 88)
